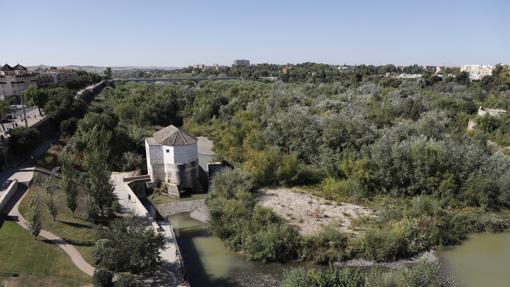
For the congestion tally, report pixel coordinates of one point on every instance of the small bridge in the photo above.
(171, 80)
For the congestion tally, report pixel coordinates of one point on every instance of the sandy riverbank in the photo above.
(310, 213)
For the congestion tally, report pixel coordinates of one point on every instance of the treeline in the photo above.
(59, 103)
(296, 73)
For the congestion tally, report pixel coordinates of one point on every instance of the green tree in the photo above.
(99, 183)
(23, 139)
(35, 96)
(103, 278)
(52, 207)
(108, 73)
(67, 183)
(5, 109)
(128, 246)
(35, 224)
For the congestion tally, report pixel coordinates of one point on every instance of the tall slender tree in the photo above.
(67, 183)
(35, 224)
(99, 182)
(52, 207)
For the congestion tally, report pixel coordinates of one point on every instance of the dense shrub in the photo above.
(68, 126)
(103, 278)
(128, 280)
(255, 230)
(132, 161)
(421, 275)
(329, 246)
(386, 244)
(275, 242)
(23, 139)
(128, 246)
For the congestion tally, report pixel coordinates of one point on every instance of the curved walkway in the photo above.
(71, 251)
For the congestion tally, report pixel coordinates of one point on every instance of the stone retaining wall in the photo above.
(197, 209)
(6, 195)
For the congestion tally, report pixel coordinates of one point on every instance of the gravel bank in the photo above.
(429, 256)
(309, 213)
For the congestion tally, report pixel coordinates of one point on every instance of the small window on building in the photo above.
(167, 150)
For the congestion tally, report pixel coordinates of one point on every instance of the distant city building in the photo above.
(408, 76)
(241, 63)
(172, 158)
(433, 69)
(477, 72)
(60, 74)
(14, 80)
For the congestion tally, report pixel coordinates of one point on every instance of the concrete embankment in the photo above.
(196, 208)
(171, 272)
(7, 191)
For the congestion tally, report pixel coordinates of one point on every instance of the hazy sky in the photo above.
(185, 32)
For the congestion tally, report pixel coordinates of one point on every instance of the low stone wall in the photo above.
(6, 195)
(135, 178)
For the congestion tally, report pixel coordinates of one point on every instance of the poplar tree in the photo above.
(35, 224)
(67, 183)
(99, 183)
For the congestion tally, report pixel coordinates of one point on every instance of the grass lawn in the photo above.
(37, 263)
(76, 231)
(159, 198)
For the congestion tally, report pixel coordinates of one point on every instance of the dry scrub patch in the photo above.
(308, 212)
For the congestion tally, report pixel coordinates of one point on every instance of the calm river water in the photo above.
(209, 263)
(481, 261)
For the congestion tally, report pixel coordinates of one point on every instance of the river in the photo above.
(208, 262)
(482, 260)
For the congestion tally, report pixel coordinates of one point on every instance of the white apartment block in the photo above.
(477, 72)
(14, 80)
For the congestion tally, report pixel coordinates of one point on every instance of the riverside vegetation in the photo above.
(397, 146)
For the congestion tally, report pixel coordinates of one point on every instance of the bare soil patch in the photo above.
(310, 213)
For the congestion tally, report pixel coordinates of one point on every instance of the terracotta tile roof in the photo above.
(172, 136)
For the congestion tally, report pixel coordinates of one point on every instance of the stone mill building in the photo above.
(172, 158)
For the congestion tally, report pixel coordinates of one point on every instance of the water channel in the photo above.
(208, 262)
(482, 260)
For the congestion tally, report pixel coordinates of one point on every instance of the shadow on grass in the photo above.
(69, 241)
(76, 224)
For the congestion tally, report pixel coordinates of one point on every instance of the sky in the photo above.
(187, 32)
